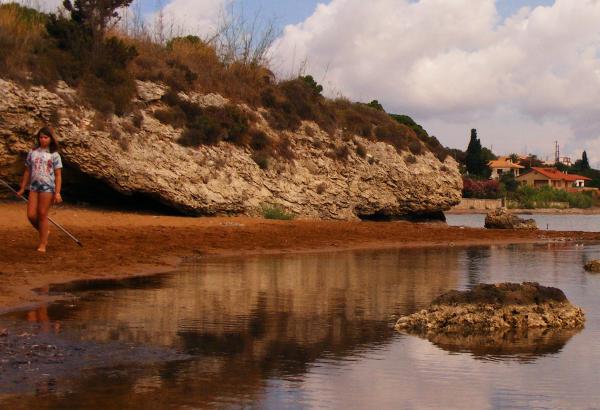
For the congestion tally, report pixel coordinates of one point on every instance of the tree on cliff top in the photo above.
(96, 15)
(87, 59)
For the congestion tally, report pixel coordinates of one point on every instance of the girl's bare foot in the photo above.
(42, 247)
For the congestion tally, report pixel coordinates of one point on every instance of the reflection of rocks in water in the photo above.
(519, 343)
(244, 319)
(339, 301)
(592, 266)
(505, 318)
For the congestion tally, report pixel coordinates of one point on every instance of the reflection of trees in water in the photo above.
(477, 263)
(248, 319)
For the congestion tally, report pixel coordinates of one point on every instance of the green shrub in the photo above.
(262, 159)
(291, 102)
(259, 141)
(430, 141)
(208, 125)
(316, 87)
(341, 153)
(274, 211)
(410, 159)
(99, 67)
(361, 150)
(415, 147)
(284, 149)
(22, 36)
(530, 197)
(376, 105)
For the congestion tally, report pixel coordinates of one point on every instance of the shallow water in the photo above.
(585, 223)
(316, 331)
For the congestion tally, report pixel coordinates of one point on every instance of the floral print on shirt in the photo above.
(42, 165)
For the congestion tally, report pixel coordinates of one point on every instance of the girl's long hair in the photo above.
(53, 141)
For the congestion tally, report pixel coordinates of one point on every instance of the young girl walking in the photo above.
(43, 178)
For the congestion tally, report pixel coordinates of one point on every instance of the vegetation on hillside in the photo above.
(84, 49)
(529, 197)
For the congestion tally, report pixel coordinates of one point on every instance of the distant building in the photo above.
(562, 160)
(565, 161)
(539, 177)
(503, 165)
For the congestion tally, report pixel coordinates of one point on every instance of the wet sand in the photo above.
(121, 244)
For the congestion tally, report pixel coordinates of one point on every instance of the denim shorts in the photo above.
(41, 187)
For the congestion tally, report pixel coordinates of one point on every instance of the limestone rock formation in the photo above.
(139, 155)
(502, 219)
(592, 266)
(489, 308)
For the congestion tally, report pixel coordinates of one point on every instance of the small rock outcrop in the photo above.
(502, 219)
(495, 307)
(139, 155)
(592, 266)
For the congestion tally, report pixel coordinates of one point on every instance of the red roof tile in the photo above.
(555, 174)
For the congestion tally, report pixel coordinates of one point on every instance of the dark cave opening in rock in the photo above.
(82, 189)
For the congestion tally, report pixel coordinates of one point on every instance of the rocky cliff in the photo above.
(138, 154)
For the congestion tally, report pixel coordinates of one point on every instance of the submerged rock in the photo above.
(502, 219)
(592, 266)
(489, 308)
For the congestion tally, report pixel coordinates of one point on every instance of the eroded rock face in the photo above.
(490, 308)
(502, 219)
(141, 155)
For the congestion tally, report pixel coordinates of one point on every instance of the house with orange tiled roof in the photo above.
(539, 177)
(502, 166)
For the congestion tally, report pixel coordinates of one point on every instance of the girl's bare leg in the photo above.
(44, 202)
(32, 210)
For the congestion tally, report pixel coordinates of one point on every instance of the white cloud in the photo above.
(199, 17)
(453, 65)
(45, 5)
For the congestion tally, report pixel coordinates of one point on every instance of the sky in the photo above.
(523, 73)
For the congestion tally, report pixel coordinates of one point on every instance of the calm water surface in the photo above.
(586, 223)
(315, 331)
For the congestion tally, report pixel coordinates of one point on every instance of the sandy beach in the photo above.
(121, 244)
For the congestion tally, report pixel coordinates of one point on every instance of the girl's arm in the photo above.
(24, 182)
(58, 175)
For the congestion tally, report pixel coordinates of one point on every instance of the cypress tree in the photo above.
(474, 160)
(584, 161)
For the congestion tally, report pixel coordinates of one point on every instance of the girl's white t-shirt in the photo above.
(42, 165)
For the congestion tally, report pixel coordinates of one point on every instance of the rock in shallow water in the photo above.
(489, 308)
(502, 219)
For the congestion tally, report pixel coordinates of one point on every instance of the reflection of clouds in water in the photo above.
(407, 378)
(314, 331)
(416, 374)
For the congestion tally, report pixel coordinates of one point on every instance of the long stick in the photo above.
(77, 241)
